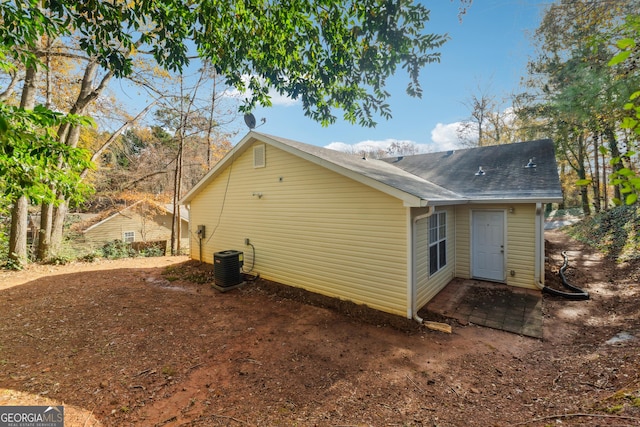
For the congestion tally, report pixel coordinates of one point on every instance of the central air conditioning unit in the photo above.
(227, 269)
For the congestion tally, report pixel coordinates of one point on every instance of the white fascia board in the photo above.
(494, 201)
(447, 202)
(517, 200)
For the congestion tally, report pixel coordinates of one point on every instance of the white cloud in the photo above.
(376, 146)
(509, 115)
(367, 145)
(340, 146)
(276, 98)
(445, 137)
(282, 100)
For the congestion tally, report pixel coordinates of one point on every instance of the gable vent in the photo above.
(259, 156)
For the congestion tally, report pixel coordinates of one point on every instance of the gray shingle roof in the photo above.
(505, 173)
(434, 178)
(377, 170)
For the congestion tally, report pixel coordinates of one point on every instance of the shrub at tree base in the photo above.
(149, 249)
(118, 249)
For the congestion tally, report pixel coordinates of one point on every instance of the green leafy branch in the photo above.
(626, 59)
(33, 162)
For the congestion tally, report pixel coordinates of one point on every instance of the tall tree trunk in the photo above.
(596, 174)
(20, 210)
(46, 211)
(615, 153)
(563, 172)
(18, 236)
(605, 187)
(177, 223)
(44, 232)
(60, 212)
(70, 135)
(185, 110)
(210, 124)
(57, 228)
(177, 179)
(582, 174)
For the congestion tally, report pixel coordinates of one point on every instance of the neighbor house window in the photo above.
(129, 236)
(437, 241)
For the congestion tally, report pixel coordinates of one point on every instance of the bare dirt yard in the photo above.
(148, 342)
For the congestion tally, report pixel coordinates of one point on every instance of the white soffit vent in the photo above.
(259, 156)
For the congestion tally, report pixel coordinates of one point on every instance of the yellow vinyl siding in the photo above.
(429, 286)
(463, 241)
(519, 242)
(311, 228)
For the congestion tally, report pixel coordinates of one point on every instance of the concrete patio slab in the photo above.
(492, 305)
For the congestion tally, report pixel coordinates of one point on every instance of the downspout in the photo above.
(414, 290)
(539, 248)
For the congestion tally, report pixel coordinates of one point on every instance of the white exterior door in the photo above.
(487, 247)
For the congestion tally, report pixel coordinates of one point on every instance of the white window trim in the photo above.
(440, 217)
(132, 235)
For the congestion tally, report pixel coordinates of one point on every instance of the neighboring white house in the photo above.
(386, 233)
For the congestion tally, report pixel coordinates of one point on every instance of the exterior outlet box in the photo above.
(200, 231)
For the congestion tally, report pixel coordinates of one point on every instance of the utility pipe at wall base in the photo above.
(577, 294)
(414, 291)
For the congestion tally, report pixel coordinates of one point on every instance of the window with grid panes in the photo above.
(437, 241)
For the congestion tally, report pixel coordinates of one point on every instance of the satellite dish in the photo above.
(250, 120)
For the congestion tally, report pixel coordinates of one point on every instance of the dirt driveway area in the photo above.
(148, 342)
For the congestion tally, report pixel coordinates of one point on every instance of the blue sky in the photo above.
(488, 49)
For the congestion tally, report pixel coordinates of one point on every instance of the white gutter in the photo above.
(538, 273)
(414, 291)
(520, 200)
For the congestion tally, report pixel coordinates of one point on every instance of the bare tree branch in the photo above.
(147, 176)
(96, 155)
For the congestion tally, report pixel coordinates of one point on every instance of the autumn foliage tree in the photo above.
(490, 122)
(577, 98)
(625, 63)
(332, 56)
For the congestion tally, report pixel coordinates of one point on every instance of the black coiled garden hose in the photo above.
(577, 294)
